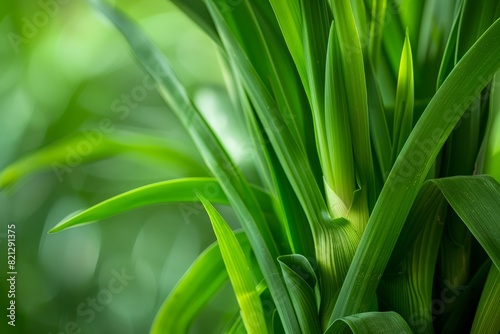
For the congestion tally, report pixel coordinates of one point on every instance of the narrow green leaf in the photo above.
(392, 39)
(426, 209)
(266, 49)
(340, 173)
(379, 129)
(376, 29)
(476, 17)
(477, 201)
(360, 14)
(290, 21)
(239, 272)
(370, 323)
(302, 285)
(299, 233)
(194, 290)
(235, 326)
(173, 191)
(416, 158)
(487, 319)
(407, 288)
(459, 157)
(357, 101)
(289, 152)
(65, 155)
(287, 205)
(489, 158)
(448, 60)
(316, 20)
(403, 109)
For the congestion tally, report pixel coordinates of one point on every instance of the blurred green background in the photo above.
(64, 70)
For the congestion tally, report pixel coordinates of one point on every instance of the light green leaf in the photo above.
(340, 173)
(378, 10)
(416, 158)
(448, 60)
(239, 272)
(379, 129)
(235, 326)
(290, 21)
(173, 191)
(302, 285)
(194, 290)
(357, 100)
(370, 323)
(266, 49)
(316, 18)
(403, 110)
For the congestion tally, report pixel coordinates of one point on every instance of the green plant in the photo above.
(367, 123)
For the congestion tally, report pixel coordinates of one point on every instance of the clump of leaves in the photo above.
(368, 123)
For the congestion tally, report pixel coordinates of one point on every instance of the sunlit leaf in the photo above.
(239, 272)
(194, 290)
(175, 191)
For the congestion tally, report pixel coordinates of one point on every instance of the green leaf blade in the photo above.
(476, 200)
(239, 272)
(302, 283)
(172, 191)
(403, 112)
(370, 323)
(194, 290)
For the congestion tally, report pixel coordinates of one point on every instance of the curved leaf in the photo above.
(302, 285)
(239, 272)
(476, 200)
(174, 191)
(194, 290)
(370, 323)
